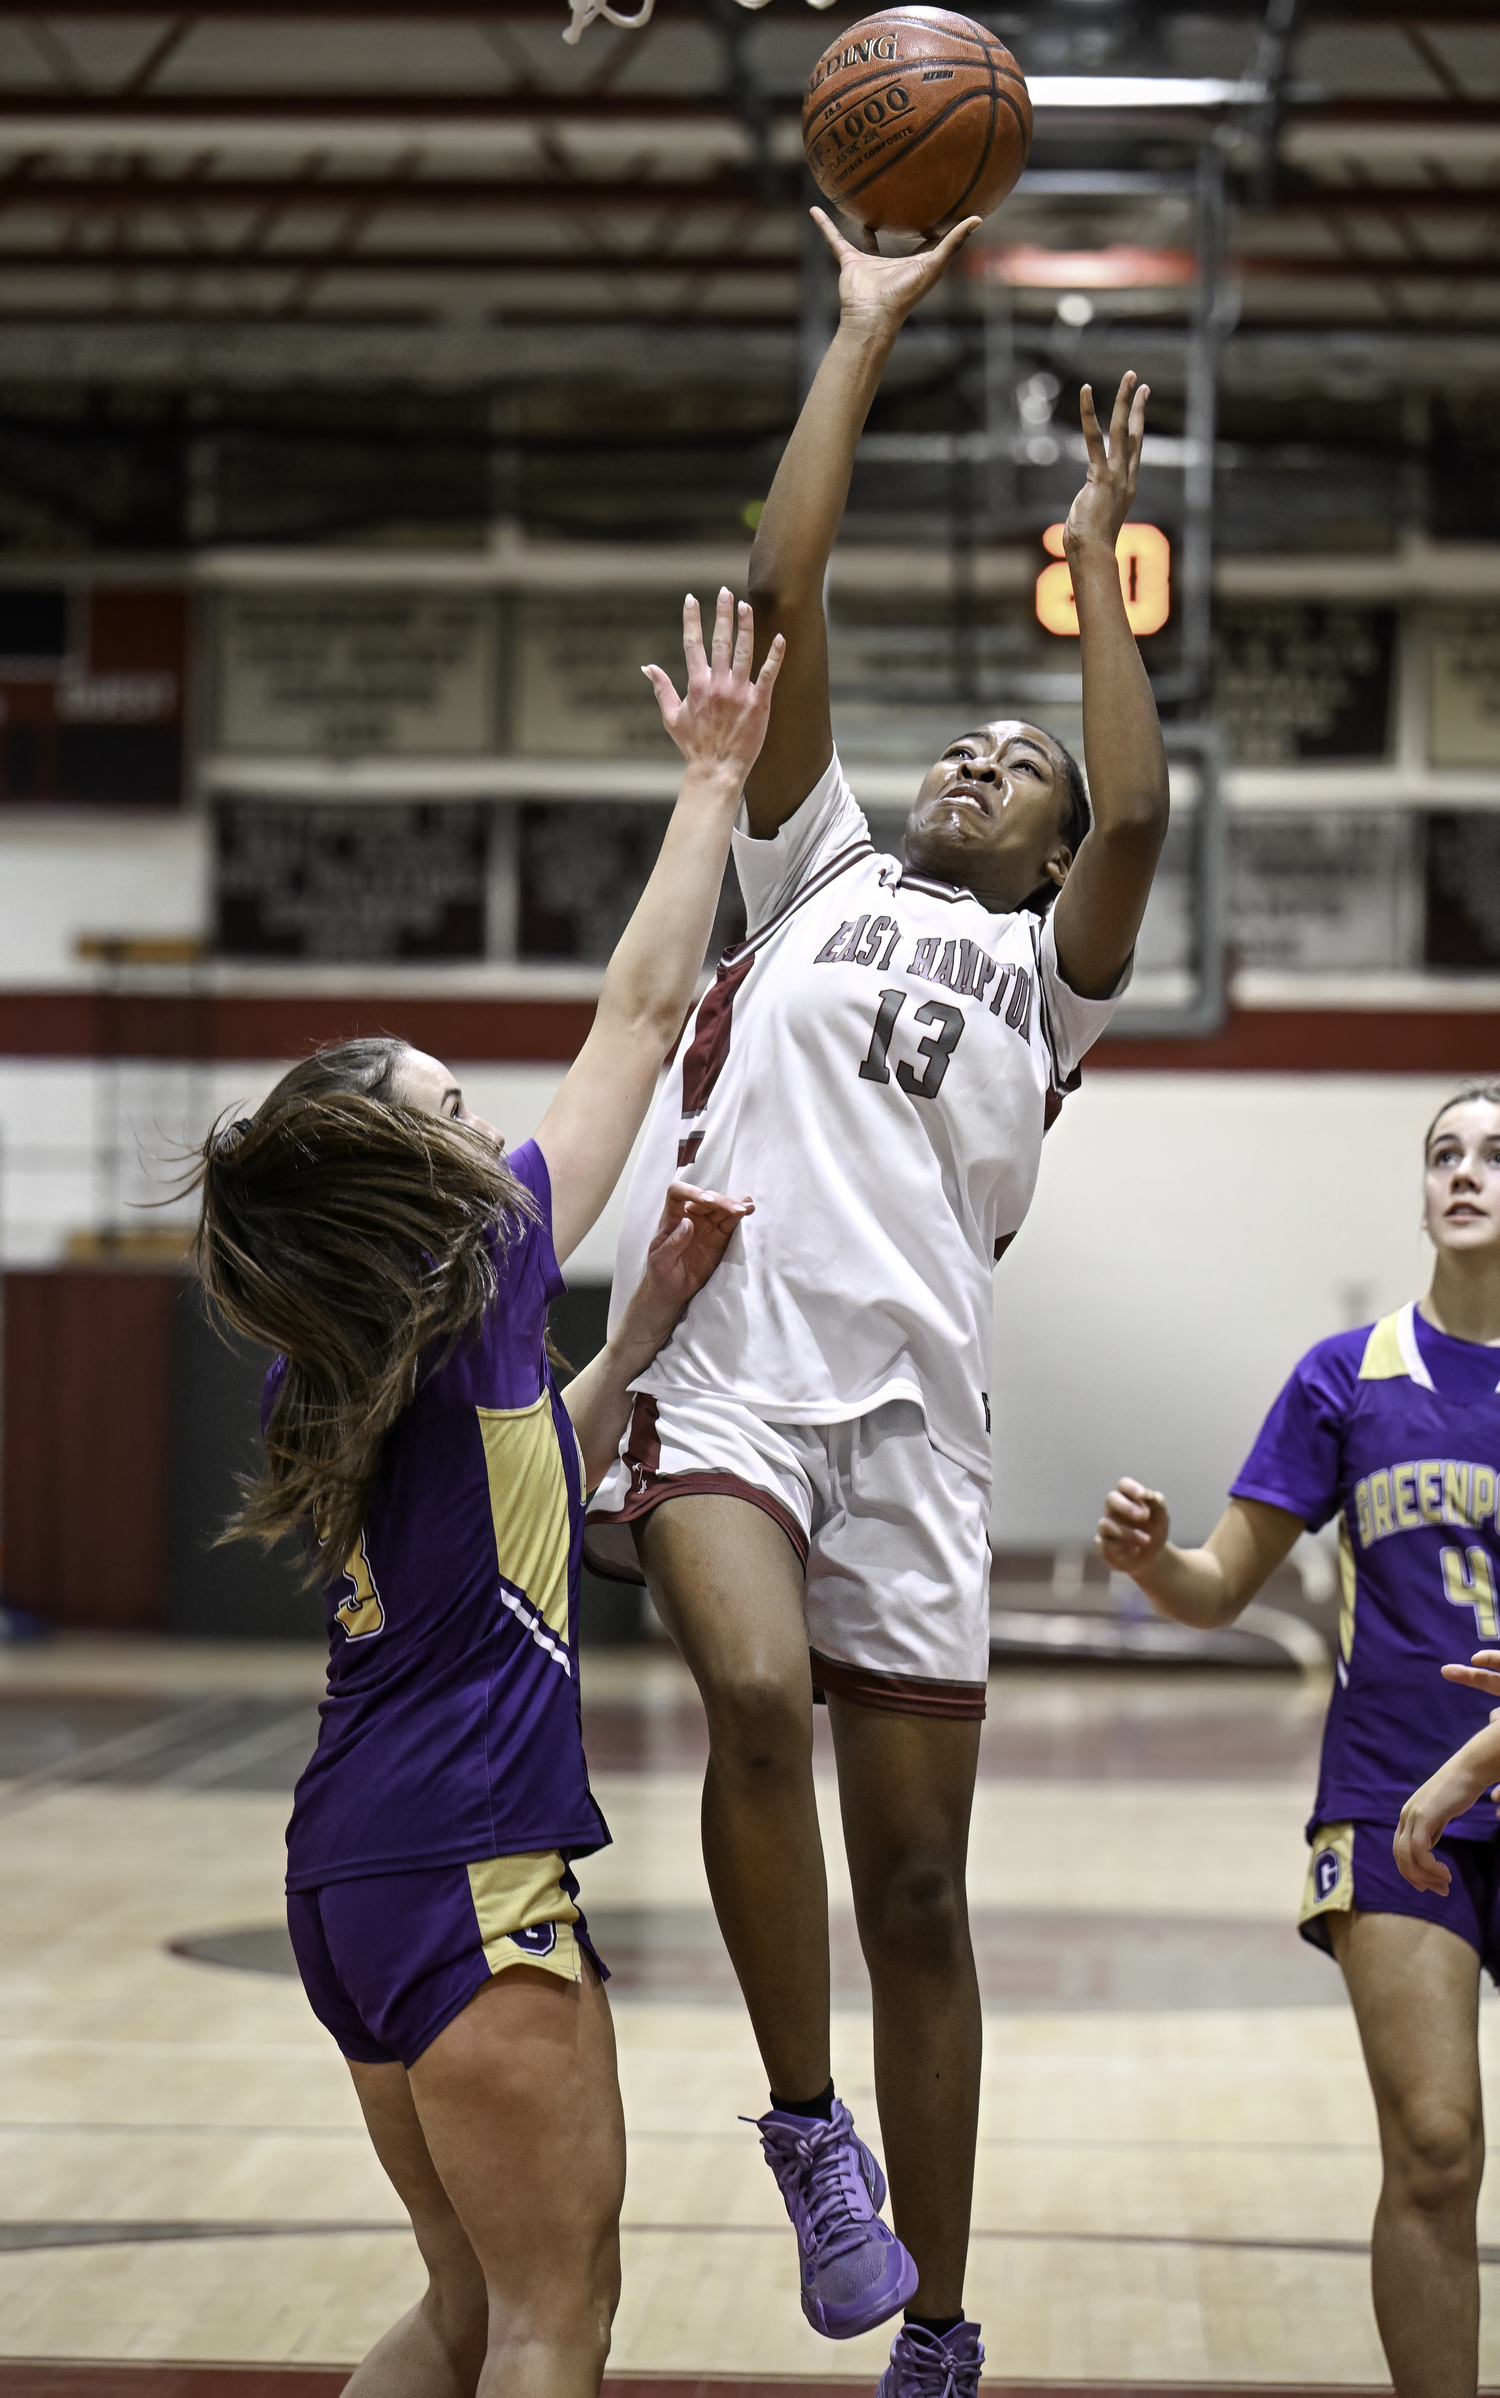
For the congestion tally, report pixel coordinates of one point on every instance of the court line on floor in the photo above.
(67, 2378)
(29, 2238)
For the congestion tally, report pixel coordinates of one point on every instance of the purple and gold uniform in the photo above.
(1396, 1430)
(433, 1829)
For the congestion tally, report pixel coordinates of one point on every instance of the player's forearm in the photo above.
(1191, 1586)
(599, 1399)
(800, 523)
(1122, 744)
(653, 974)
(1469, 1772)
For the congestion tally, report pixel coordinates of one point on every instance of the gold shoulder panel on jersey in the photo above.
(529, 1505)
(1384, 1359)
(1391, 1351)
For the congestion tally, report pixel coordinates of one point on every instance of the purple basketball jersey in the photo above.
(1396, 1430)
(450, 1732)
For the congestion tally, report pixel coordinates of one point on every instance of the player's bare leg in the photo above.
(906, 1788)
(519, 2104)
(728, 1587)
(1405, 1973)
(437, 2348)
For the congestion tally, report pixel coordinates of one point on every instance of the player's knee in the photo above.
(1439, 2157)
(456, 2305)
(919, 1910)
(757, 1722)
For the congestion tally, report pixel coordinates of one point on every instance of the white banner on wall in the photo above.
(579, 689)
(1465, 688)
(356, 674)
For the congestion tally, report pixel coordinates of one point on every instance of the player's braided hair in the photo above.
(359, 1237)
(1077, 817)
(1489, 1090)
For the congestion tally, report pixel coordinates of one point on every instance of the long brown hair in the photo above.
(354, 1234)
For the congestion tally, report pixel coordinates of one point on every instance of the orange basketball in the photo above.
(915, 118)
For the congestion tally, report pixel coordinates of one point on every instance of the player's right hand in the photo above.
(1133, 1528)
(1424, 1819)
(883, 291)
(720, 722)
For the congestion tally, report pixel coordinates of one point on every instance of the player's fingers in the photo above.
(1119, 416)
(771, 663)
(744, 642)
(1473, 1677)
(692, 637)
(665, 689)
(723, 627)
(1485, 1657)
(1088, 418)
(841, 249)
(954, 240)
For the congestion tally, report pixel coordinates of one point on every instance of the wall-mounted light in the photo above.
(1144, 556)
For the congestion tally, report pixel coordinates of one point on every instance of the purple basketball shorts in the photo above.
(388, 1961)
(1352, 1868)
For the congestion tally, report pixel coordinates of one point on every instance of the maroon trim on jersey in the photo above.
(1006, 1238)
(606, 1538)
(952, 892)
(897, 1694)
(826, 874)
(687, 1151)
(642, 1451)
(704, 1062)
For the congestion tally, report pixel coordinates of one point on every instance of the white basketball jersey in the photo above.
(875, 1065)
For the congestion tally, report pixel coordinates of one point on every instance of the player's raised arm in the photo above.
(719, 725)
(1099, 909)
(1203, 1587)
(806, 506)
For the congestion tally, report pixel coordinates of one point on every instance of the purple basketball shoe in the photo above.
(855, 2272)
(922, 2367)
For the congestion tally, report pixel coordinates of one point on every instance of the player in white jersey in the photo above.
(806, 1477)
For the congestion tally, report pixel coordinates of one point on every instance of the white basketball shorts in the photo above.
(893, 1537)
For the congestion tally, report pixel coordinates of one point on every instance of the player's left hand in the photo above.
(1424, 1819)
(1096, 516)
(695, 1230)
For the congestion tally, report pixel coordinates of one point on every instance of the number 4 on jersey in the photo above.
(1470, 1582)
(937, 1049)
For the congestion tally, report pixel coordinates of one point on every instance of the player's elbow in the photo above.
(1132, 828)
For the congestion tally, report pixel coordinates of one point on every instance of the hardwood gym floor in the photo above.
(1177, 2161)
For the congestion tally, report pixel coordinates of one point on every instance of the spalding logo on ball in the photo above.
(915, 118)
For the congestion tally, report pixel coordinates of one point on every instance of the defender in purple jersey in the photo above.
(1394, 1431)
(371, 1228)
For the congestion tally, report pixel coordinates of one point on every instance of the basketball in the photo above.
(915, 118)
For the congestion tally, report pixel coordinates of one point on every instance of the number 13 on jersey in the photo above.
(936, 1050)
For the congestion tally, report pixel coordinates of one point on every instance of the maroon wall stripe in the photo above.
(226, 1025)
(82, 1024)
(1320, 1041)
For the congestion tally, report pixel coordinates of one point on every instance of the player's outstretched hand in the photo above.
(1102, 506)
(882, 292)
(1133, 1528)
(1424, 1819)
(721, 720)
